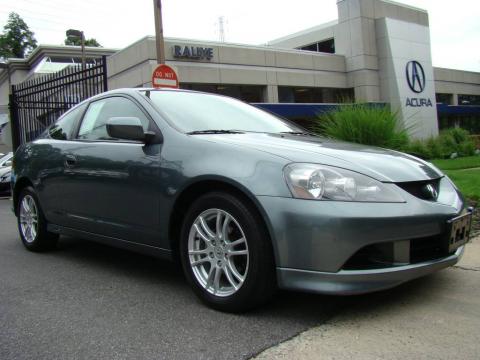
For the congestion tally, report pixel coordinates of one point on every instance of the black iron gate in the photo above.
(37, 103)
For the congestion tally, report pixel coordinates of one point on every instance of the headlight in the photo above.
(5, 177)
(321, 182)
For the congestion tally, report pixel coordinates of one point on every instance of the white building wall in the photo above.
(399, 43)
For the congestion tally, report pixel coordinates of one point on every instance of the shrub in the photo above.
(419, 149)
(435, 149)
(456, 140)
(449, 141)
(363, 124)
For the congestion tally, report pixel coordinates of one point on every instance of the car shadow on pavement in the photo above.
(302, 306)
(309, 308)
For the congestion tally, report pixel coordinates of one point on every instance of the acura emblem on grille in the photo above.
(431, 191)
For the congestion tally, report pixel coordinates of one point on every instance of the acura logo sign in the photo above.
(415, 76)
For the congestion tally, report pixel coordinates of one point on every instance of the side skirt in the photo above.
(111, 241)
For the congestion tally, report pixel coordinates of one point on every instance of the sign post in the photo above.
(164, 76)
(157, 11)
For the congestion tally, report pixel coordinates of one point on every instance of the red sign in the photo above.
(164, 76)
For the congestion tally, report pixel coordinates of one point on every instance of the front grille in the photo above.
(426, 190)
(383, 255)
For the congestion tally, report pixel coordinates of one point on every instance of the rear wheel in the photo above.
(226, 254)
(32, 224)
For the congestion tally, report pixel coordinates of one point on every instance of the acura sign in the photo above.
(416, 82)
(415, 76)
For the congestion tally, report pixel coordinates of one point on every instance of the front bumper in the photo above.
(351, 282)
(5, 188)
(315, 242)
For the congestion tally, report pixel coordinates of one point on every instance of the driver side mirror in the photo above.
(126, 128)
(8, 163)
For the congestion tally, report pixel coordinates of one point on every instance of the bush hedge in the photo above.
(363, 124)
(450, 143)
(378, 126)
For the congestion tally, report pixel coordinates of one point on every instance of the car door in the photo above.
(112, 186)
(46, 164)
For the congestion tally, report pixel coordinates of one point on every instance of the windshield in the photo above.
(190, 112)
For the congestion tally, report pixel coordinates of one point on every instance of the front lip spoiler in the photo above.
(352, 282)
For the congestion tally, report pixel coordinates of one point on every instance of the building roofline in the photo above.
(303, 32)
(59, 50)
(226, 44)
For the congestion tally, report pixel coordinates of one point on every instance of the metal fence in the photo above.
(37, 103)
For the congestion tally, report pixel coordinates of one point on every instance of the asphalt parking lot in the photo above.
(86, 300)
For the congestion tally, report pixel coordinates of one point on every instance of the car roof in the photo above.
(143, 89)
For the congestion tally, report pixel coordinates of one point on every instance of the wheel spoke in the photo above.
(200, 261)
(25, 206)
(33, 232)
(198, 252)
(30, 232)
(235, 273)
(237, 252)
(206, 228)
(201, 234)
(226, 221)
(229, 277)
(216, 281)
(218, 225)
(211, 275)
(237, 242)
(31, 205)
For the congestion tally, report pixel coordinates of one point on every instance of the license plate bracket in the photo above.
(459, 231)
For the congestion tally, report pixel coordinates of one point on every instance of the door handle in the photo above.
(70, 161)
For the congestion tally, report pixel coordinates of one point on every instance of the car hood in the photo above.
(381, 164)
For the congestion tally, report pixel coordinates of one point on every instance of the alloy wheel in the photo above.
(29, 218)
(218, 252)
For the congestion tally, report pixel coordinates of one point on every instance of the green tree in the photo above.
(78, 42)
(16, 40)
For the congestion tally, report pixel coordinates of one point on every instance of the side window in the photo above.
(94, 124)
(62, 129)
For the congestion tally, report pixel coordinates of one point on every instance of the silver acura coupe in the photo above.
(247, 201)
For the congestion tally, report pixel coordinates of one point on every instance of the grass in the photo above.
(468, 181)
(458, 163)
(465, 173)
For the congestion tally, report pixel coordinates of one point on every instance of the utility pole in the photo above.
(157, 6)
(83, 52)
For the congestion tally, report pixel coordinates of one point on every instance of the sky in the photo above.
(454, 25)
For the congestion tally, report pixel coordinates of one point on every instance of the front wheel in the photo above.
(32, 225)
(226, 254)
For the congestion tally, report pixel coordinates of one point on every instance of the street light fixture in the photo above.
(77, 34)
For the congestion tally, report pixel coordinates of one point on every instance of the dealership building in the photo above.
(377, 51)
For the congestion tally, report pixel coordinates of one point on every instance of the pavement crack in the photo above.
(465, 268)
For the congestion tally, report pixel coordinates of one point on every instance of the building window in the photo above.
(446, 99)
(326, 46)
(468, 99)
(288, 94)
(247, 93)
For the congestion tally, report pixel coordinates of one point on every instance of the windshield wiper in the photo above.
(200, 132)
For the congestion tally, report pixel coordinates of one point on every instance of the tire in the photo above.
(32, 225)
(246, 269)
